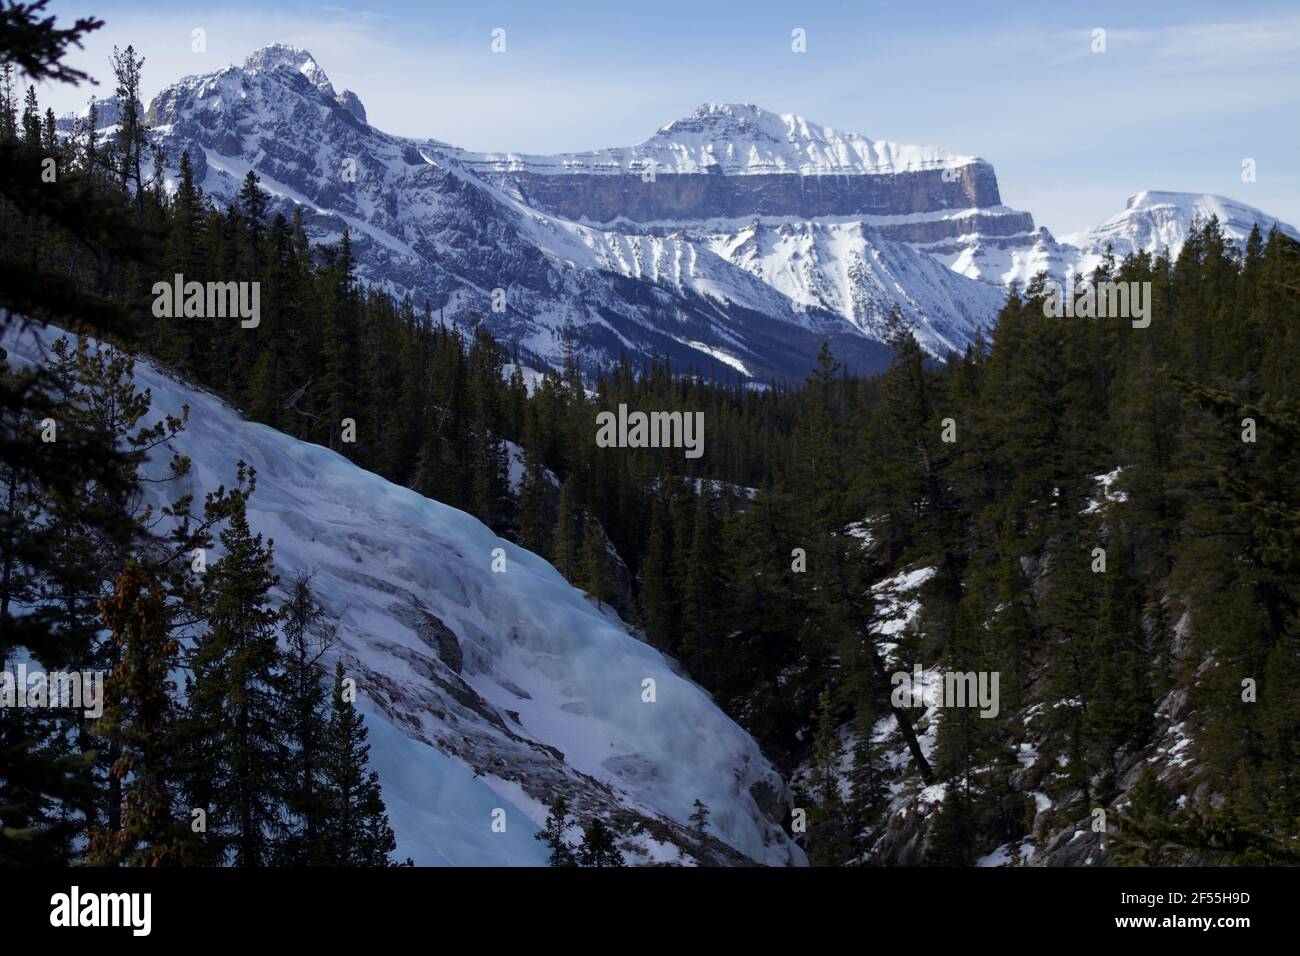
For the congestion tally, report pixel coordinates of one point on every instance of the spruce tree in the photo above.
(952, 838)
(236, 724)
(536, 511)
(828, 818)
(699, 817)
(658, 609)
(553, 834)
(564, 544)
(307, 639)
(598, 847)
(1120, 700)
(595, 566)
(867, 776)
(701, 620)
(356, 831)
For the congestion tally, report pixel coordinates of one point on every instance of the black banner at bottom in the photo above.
(335, 906)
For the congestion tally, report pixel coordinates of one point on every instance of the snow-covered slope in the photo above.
(484, 690)
(1154, 221)
(1003, 260)
(848, 269)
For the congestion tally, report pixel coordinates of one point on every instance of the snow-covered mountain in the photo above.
(832, 220)
(642, 275)
(482, 689)
(848, 268)
(424, 223)
(734, 240)
(1152, 221)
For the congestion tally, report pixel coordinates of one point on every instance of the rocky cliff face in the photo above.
(844, 223)
(625, 196)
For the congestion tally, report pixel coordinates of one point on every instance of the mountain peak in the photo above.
(741, 137)
(1149, 198)
(1157, 219)
(736, 110)
(727, 119)
(1232, 214)
(1140, 200)
(275, 55)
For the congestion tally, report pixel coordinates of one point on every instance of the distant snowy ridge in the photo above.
(736, 139)
(733, 240)
(1153, 221)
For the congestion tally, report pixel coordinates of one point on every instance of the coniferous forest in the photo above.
(755, 566)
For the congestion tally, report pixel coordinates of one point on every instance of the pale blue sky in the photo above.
(1182, 94)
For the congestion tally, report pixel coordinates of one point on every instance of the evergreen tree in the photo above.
(868, 775)
(140, 718)
(598, 847)
(307, 640)
(596, 567)
(700, 613)
(236, 725)
(658, 609)
(564, 545)
(1120, 701)
(828, 819)
(8, 103)
(132, 140)
(1151, 807)
(699, 817)
(952, 842)
(553, 834)
(536, 513)
(356, 830)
